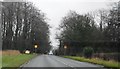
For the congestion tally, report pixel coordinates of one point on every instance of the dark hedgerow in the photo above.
(87, 52)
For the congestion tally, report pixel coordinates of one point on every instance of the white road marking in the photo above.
(65, 64)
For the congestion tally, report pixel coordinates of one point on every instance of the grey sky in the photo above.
(56, 9)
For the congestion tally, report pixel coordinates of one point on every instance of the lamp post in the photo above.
(35, 46)
(65, 47)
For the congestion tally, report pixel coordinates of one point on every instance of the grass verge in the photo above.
(15, 60)
(0, 61)
(108, 64)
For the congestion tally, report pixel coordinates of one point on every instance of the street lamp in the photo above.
(35, 46)
(65, 47)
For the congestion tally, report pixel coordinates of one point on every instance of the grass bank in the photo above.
(0, 61)
(109, 64)
(15, 60)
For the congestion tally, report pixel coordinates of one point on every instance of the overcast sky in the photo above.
(56, 9)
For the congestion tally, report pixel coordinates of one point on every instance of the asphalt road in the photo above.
(58, 62)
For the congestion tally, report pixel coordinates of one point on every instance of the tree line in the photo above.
(99, 30)
(24, 26)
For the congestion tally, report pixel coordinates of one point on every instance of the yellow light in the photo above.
(65, 47)
(27, 51)
(35, 46)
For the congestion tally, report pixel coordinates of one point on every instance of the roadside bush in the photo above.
(87, 52)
